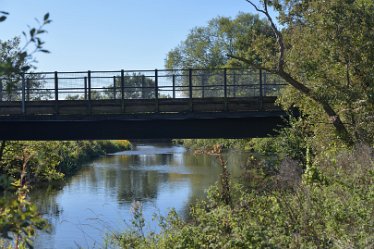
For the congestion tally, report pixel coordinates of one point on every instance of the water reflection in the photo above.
(97, 200)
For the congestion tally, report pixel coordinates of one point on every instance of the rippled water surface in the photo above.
(97, 200)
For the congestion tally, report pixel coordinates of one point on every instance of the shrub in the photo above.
(309, 213)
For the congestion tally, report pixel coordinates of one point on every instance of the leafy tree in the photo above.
(208, 47)
(136, 86)
(19, 219)
(16, 60)
(11, 80)
(325, 52)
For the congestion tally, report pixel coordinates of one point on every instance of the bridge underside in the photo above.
(142, 126)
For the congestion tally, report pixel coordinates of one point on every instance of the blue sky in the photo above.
(112, 34)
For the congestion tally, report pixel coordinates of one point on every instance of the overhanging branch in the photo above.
(256, 66)
(277, 33)
(255, 6)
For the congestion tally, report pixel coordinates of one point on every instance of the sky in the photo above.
(112, 34)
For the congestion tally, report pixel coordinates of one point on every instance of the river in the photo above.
(97, 200)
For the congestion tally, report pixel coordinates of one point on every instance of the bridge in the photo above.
(139, 104)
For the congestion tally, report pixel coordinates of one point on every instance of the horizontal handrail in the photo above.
(155, 84)
(144, 70)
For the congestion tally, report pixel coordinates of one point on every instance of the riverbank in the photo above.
(50, 161)
(265, 146)
(97, 199)
(203, 145)
(33, 164)
(329, 205)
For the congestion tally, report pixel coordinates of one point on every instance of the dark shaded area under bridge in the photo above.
(143, 104)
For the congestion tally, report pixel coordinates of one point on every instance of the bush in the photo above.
(50, 161)
(335, 212)
(208, 144)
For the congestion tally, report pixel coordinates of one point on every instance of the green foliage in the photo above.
(35, 162)
(328, 49)
(112, 146)
(336, 213)
(50, 161)
(208, 144)
(19, 218)
(209, 46)
(15, 60)
(137, 86)
(291, 142)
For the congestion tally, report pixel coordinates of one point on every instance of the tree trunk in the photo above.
(333, 116)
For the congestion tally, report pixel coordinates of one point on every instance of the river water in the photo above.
(97, 200)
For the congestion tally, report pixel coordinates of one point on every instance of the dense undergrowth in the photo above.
(205, 145)
(38, 162)
(329, 204)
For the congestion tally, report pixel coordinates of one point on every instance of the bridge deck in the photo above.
(133, 106)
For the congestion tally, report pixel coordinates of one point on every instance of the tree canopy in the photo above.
(324, 50)
(209, 46)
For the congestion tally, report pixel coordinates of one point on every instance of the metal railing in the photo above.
(139, 84)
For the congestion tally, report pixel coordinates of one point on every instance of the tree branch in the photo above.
(255, 6)
(277, 33)
(333, 116)
(251, 64)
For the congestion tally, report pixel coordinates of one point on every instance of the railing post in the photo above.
(173, 86)
(156, 91)
(56, 86)
(225, 88)
(190, 88)
(56, 92)
(143, 87)
(23, 94)
(1, 89)
(89, 91)
(261, 93)
(203, 77)
(28, 89)
(114, 88)
(234, 86)
(85, 89)
(264, 84)
(122, 90)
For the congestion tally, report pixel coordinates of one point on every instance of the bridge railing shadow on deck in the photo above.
(136, 91)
